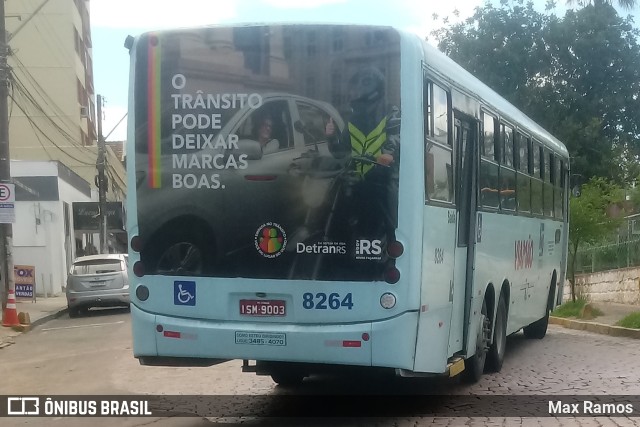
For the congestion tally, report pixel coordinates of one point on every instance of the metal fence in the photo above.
(592, 259)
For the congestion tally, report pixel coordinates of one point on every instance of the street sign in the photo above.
(7, 203)
(25, 279)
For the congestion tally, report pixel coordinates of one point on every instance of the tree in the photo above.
(588, 218)
(625, 4)
(578, 76)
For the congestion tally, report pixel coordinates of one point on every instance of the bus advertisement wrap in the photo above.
(259, 171)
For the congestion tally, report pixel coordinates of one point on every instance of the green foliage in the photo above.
(578, 76)
(589, 221)
(631, 321)
(626, 4)
(574, 309)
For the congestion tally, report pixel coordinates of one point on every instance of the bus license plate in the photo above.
(252, 307)
(261, 338)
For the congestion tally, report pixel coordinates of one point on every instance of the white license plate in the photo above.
(261, 338)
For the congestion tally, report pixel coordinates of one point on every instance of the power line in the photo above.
(41, 91)
(26, 21)
(23, 90)
(28, 117)
(117, 124)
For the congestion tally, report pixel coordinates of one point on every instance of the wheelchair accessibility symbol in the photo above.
(184, 293)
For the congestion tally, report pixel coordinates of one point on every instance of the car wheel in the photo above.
(74, 312)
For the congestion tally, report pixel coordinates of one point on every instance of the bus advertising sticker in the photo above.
(270, 240)
(184, 292)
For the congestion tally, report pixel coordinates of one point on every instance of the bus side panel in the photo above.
(393, 341)
(436, 296)
(144, 332)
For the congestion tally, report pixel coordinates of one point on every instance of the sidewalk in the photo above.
(605, 324)
(41, 311)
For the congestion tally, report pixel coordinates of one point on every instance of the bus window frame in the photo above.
(428, 81)
(492, 160)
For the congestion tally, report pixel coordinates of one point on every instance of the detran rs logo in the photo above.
(270, 240)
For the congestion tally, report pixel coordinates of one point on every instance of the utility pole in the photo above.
(101, 181)
(6, 230)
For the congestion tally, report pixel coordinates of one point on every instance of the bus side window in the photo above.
(549, 166)
(507, 173)
(438, 166)
(558, 185)
(489, 181)
(536, 181)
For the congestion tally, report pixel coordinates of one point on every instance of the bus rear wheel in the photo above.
(538, 329)
(287, 378)
(495, 357)
(474, 366)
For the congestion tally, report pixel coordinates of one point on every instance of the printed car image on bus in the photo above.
(308, 196)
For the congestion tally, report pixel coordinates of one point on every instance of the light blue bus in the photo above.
(310, 197)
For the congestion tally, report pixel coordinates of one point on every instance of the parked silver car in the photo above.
(97, 281)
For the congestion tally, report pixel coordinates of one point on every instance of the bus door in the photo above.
(465, 154)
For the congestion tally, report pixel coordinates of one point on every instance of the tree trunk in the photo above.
(572, 272)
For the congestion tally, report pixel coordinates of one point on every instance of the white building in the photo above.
(43, 234)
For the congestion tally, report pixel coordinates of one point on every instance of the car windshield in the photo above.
(97, 266)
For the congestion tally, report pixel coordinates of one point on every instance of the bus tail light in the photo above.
(136, 243)
(392, 275)
(395, 249)
(138, 269)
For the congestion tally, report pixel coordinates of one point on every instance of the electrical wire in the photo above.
(25, 92)
(28, 117)
(48, 101)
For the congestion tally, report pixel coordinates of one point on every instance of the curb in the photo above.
(45, 319)
(598, 328)
(18, 330)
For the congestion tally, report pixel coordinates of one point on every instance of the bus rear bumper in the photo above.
(172, 341)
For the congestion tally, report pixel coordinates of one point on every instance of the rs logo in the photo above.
(368, 247)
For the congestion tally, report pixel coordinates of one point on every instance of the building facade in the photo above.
(44, 234)
(52, 133)
(52, 97)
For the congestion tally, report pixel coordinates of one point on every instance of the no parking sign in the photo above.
(7, 203)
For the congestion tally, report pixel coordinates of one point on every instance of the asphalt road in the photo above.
(92, 356)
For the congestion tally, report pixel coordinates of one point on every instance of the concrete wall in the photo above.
(619, 286)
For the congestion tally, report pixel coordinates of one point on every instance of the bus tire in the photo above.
(538, 329)
(495, 356)
(474, 366)
(287, 378)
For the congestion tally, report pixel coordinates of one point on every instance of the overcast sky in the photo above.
(113, 20)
